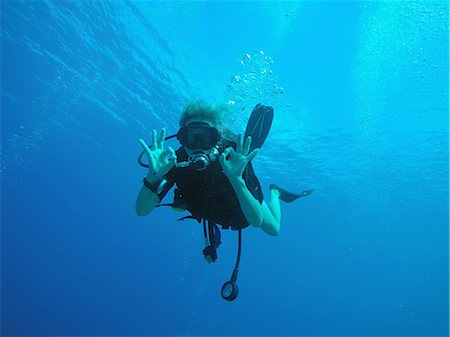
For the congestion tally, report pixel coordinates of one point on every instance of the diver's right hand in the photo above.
(160, 161)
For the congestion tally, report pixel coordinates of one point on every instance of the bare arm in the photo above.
(146, 201)
(250, 206)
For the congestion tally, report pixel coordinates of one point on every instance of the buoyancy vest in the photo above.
(208, 194)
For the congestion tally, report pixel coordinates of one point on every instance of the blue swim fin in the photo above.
(287, 196)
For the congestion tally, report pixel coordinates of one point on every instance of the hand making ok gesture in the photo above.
(234, 161)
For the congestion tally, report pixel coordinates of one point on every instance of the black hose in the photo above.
(140, 160)
(236, 268)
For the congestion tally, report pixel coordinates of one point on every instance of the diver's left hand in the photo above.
(234, 161)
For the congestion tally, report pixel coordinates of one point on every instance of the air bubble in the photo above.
(236, 78)
(255, 81)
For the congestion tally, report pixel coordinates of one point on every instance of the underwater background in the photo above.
(360, 92)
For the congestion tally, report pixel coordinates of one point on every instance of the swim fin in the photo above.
(287, 196)
(258, 125)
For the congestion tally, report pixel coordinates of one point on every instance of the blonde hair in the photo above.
(212, 113)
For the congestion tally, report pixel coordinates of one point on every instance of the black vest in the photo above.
(208, 194)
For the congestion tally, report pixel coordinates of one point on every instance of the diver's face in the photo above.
(198, 136)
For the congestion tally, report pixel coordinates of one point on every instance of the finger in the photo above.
(239, 144)
(169, 154)
(222, 159)
(247, 144)
(154, 144)
(227, 151)
(144, 146)
(162, 138)
(169, 158)
(252, 155)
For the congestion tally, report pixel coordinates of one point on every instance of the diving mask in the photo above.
(198, 135)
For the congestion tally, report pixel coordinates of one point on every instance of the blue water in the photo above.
(360, 91)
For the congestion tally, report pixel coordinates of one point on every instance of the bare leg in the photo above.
(271, 214)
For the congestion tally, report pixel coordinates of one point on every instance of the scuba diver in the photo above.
(214, 177)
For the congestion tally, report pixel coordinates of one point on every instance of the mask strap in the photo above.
(170, 137)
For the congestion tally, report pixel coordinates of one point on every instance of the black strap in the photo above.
(187, 217)
(210, 252)
(204, 232)
(159, 205)
(211, 234)
(153, 186)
